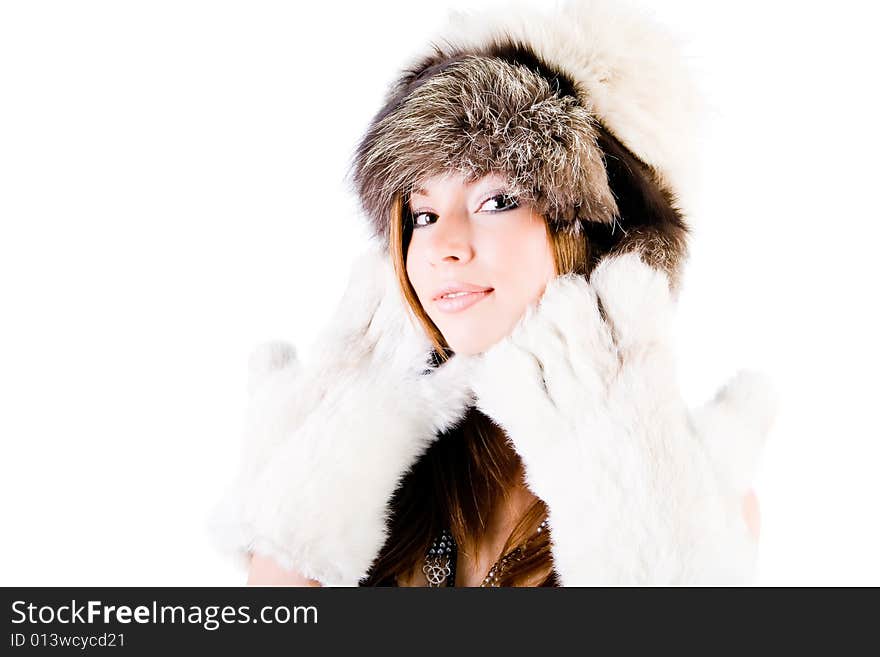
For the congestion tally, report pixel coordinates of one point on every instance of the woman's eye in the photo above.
(416, 220)
(504, 202)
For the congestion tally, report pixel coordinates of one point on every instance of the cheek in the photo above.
(518, 261)
(525, 263)
(522, 263)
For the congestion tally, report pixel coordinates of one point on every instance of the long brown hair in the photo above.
(471, 468)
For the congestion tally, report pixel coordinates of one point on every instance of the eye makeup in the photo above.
(501, 193)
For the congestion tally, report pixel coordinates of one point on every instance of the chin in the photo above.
(464, 351)
(473, 338)
(467, 346)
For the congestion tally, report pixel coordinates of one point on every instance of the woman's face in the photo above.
(476, 240)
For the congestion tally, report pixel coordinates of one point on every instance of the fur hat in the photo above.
(587, 109)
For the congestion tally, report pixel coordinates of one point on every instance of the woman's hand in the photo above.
(640, 490)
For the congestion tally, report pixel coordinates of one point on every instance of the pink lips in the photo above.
(461, 301)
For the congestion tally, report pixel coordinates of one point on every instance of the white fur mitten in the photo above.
(327, 442)
(640, 490)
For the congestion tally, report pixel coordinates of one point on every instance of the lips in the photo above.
(454, 302)
(454, 290)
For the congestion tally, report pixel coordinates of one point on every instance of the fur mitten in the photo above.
(639, 489)
(328, 442)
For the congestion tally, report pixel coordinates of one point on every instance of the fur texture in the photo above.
(478, 114)
(327, 443)
(523, 92)
(640, 491)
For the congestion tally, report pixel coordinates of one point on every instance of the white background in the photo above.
(171, 194)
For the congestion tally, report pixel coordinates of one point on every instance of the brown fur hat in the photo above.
(587, 110)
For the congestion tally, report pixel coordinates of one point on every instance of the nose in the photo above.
(450, 239)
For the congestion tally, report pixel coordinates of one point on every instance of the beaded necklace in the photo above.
(441, 557)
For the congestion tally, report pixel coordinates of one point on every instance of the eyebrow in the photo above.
(424, 192)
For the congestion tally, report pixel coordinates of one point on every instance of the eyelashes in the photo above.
(505, 200)
(509, 198)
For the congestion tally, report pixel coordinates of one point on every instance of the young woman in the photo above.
(494, 402)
